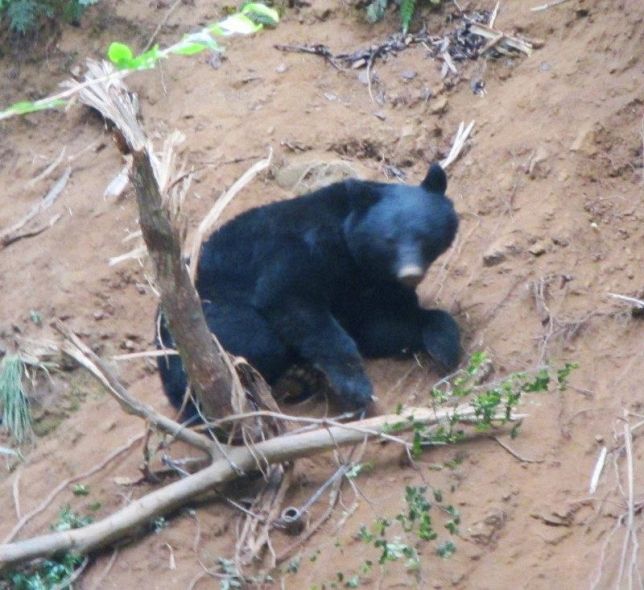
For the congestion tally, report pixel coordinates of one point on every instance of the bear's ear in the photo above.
(436, 180)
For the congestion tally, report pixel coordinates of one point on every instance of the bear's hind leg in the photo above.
(242, 332)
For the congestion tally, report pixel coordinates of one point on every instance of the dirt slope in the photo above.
(550, 195)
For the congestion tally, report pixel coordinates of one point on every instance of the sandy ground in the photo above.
(550, 194)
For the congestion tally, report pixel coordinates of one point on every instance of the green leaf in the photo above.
(446, 549)
(261, 14)
(563, 374)
(119, 53)
(238, 24)
(540, 382)
(23, 107)
(194, 43)
(376, 10)
(189, 49)
(407, 8)
(121, 56)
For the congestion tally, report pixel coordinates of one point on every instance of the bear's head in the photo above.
(399, 229)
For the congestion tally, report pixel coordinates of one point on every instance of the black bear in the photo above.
(324, 279)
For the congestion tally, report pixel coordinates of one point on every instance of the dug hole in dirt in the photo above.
(549, 192)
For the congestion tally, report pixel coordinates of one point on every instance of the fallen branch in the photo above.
(174, 495)
(14, 233)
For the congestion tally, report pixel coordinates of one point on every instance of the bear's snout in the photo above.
(410, 275)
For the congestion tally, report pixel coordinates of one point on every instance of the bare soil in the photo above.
(549, 191)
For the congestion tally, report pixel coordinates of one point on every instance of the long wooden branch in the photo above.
(276, 450)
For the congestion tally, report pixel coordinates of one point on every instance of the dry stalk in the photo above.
(628, 574)
(516, 455)
(16, 495)
(460, 138)
(547, 5)
(639, 303)
(554, 327)
(502, 42)
(47, 171)
(597, 471)
(162, 24)
(15, 231)
(630, 536)
(260, 519)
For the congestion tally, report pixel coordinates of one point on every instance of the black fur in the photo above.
(325, 279)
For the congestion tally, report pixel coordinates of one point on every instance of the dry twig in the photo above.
(628, 575)
(162, 24)
(515, 454)
(639, 303)
(15, 232)
(547, 5)
(460, 138)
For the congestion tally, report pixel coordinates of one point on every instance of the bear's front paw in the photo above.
(353, 389)
(441, 338)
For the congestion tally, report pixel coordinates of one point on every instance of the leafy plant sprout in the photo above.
(376, 11)
(14, 404)
(405, 536)
(24, 16)
(250, 19)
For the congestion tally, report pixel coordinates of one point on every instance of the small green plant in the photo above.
(250, 19)
(24, 16)
(230, 577)
(16, 416)
(68, 520)
(81, 489)
(376, 11)
(50, 573)
(402, 539)
(159, 523)
(493, 403)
